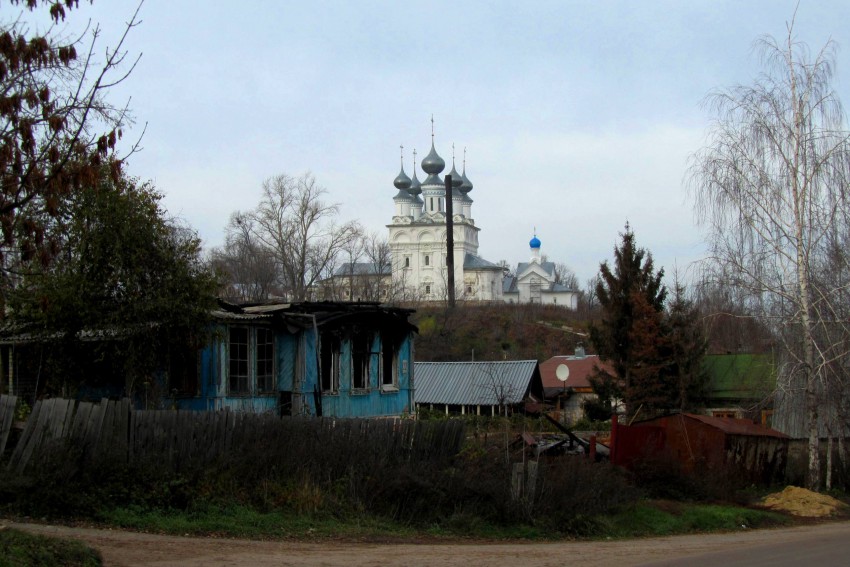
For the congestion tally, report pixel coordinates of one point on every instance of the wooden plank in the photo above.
(94, 428)
(36, 429)
(120, 443)
(56, 427)
(7, 417)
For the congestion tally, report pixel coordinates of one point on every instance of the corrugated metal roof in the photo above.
(473, 383)
(740, 376)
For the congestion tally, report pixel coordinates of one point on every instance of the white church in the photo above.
(417, 239)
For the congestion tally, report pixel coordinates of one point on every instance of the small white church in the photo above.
(417, 240)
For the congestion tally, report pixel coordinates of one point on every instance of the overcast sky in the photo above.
(576, 116)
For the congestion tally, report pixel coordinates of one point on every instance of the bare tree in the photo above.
(507, 270)
(590, 286)
(352, 251)
(299, 228)
(377, 251)
(249, 266)
(770, 188)
(494, 379)
(565, 276)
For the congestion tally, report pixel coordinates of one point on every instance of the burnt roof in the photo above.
(306, 313)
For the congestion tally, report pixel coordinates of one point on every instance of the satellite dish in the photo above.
(562, 372)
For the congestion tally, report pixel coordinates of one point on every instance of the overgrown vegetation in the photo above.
(18, 548)
(312, 486)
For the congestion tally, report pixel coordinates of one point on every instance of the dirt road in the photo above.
(126, 549)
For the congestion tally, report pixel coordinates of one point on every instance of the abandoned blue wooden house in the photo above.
(309, 359)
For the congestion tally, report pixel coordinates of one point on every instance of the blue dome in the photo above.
(535, 242)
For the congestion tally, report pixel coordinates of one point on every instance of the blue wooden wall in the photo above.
(297, 372)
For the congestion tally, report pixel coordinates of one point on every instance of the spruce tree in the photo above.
(629, 293)
(688, 346)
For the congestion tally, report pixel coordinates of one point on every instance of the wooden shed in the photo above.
(702, 443)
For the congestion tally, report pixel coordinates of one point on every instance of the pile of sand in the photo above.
(802, 502)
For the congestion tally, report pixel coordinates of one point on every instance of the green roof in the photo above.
(740, 376)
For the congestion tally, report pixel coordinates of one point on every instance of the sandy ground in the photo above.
(122, 548)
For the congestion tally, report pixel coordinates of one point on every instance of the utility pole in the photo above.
(450, 242)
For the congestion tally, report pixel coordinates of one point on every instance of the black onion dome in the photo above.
(415, 186)
(466, 186)
(403, 195)
(433, 163)
(402, 181)
(456, 179)
(433, 179)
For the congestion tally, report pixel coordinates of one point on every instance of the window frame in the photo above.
(330, 348)
(269, 381)
(361, 360)
(388, 360)
(239, 354)
(244, 357)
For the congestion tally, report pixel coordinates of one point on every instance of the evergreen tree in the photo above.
(651, 386)
(688, 346)
(629, 293)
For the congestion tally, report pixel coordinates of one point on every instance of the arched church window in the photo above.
(427, 260)
(407, 262)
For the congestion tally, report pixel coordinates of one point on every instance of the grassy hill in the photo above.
(497, 332)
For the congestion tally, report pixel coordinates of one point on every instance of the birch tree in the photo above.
(771, 191)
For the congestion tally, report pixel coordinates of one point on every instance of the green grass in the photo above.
(666, 518)
(244, 522)
(19, 549)
(647, 518)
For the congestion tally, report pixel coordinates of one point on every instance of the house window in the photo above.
(238, 362)
(361, 346)
(427, 260)
(265, 360)
(389, 362)
(250, 361)
(329, 357)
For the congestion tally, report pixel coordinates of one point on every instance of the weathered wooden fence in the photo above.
(7, 416)
(191, 438)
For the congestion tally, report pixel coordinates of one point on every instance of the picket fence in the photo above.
(183, 438)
